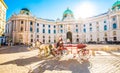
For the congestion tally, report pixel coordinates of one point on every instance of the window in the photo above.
(77, 35)
(48, 26)
(90, 24)
(61, 26)
(90, 28)
(97, 22)
(114, 26)
(105, 27)
(37, 30)
(49, 31)
(37, 24)
(49, 41)
(114, 38)
(105, 34)
(84, 25)
(21, 22)
(43, 36)
(31, 23)
(31, 40)
(76, 25)
(21, 29)
(54, 31)
(98, 39)
(84, 30)
(104, 21)
(97, 28)
(114, 33)
(77, 30)
(43, 40)
(77, 40)
(43, 30)
(54, 41)
(43, 25)
(31, 29)
(114, 18)
(61, 31)
(37, 36)
(54, 26)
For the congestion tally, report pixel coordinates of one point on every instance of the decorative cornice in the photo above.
(4, 4)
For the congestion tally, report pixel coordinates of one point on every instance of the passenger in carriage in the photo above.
(60, 46)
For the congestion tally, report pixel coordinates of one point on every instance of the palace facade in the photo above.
(25, 28)
(3, 8)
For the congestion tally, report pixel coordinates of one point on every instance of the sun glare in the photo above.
(84, 10)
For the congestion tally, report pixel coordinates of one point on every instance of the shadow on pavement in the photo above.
(14, 49)
(22, 61)
(67, 65)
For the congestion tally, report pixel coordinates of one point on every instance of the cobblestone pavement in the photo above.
(19, 59)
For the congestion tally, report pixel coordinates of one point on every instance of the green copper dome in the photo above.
(67, 12)
(25, 11)
(116, 4)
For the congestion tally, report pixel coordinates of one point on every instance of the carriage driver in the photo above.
(59, 45)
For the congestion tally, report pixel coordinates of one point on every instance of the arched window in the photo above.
(105, 27)
(114, 26)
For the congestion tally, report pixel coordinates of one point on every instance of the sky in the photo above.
(53, 9)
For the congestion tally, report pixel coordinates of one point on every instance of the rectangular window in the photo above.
(54, 26)
(77, 30)
(54, 31)
(37, 24)
(43, 30)
(49, 31)
(31, 40)
(43, 25)
(31, 23)
(90, 24)
(61, 31)
(90, 29)
(61, 26)
(104, 21)
(37, 30)
(76, 25)
(48, 26)
(31, 29)
(37, 36)
(114, 18)
(21, 22)
(84, 30)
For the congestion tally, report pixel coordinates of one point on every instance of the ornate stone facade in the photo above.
(25, 28)
(3, 8)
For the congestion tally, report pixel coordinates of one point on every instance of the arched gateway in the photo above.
(69, 36)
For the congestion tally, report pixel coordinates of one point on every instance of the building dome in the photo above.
(25, 11)
(67, 13)
(116, 4)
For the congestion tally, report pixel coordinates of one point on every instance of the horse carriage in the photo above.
(77, 51)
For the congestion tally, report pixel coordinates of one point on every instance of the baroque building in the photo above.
(25, 28)
(3, 8)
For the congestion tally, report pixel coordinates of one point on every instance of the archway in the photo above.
(69, 36)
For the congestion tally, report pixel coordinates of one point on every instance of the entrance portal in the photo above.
(69, 36)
